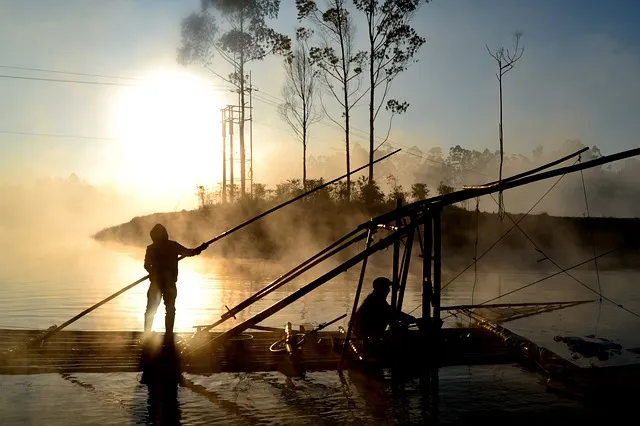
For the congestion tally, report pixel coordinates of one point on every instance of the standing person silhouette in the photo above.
(161, 261)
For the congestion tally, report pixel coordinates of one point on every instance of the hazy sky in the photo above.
(577, 79)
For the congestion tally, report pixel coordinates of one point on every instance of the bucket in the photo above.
(236, 348)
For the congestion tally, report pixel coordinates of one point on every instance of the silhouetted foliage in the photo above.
(419, 191)
(396, 191)
(369, 193)
(445, 189)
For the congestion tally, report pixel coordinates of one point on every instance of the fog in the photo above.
(49, 210)
(612, 190)
(51, 213)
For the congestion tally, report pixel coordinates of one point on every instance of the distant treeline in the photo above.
(414, 174)
(295, 232)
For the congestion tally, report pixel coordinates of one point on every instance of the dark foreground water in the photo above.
(467, 395)
(47, 284)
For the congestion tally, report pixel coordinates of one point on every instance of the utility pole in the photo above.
(228, 124)
(250, 135)
(224, 156)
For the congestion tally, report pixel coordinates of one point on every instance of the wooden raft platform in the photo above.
(120, 351)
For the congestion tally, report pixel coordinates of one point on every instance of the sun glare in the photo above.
(170, 129)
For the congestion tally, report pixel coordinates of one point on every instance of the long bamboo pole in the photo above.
(537, 169)
(266, 313)
(396, 262)
(355, 302)
(211, 241)
(275, 283)
(406, 262)
(294, 273)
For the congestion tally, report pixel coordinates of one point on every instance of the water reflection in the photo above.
(161, 373)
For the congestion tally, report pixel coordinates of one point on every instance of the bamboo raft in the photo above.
(121, 351)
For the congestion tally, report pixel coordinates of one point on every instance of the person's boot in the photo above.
(169, 319)
(146, 335)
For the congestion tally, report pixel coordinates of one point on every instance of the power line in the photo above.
(58, 80)
(52, 135)
(68, 72)
(98, 83)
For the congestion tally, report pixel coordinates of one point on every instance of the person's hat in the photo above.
(159, 233)
(381, 283)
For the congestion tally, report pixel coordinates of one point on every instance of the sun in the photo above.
(169, 125)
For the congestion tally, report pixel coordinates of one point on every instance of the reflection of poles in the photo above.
(437, 280)
(355, 302)
(427, 256)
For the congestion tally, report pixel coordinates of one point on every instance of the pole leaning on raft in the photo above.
(54, 330)
(355, 301)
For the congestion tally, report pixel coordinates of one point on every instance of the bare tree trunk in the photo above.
(500, 131)
(304, 157)
(345, 87)
(346, 138)
(242, 117)
(372, 99)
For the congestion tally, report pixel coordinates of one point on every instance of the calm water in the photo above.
(45, 284)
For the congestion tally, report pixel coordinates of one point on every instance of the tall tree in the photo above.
(505, 60)
(392, 45)
(244, 38)
(337, 59)
(299, 94)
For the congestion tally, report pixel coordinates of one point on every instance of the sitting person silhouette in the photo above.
(161, 261)
(375, 314)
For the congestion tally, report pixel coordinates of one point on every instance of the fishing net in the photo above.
(505, 312)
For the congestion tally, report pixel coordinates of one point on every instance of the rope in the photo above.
(593, 247)
(565, 271)
(553, 275)
(475, 252)
(477, 258)
(548, 277)
(503, 235)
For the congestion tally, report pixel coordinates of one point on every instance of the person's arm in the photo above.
(406, 318)
(183, 251)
